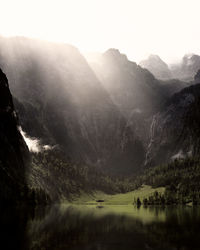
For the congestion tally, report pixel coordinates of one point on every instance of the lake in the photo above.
(81, 227)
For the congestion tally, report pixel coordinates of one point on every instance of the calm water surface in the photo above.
(100, 228)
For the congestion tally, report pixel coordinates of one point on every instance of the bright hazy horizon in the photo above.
(168, 28)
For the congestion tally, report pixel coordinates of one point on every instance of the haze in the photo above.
(137, 28)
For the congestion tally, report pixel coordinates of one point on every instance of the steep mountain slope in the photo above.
(13, 151)
(62, 179)
(173, 86)
(132, 88)
(175, 130)
(61, 102)
(157, 67)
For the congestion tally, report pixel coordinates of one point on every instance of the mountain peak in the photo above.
(191, 58)
(153, 59)
(157, 67)
(115, 54)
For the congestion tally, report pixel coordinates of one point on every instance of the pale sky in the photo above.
(169, 28)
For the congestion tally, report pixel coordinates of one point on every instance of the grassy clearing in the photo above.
(118, 199)
(120, 204)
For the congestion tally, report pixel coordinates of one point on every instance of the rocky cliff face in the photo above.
(13, 150)
(175, 131)
(134, 90)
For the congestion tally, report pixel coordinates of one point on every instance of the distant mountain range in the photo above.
(184, 70)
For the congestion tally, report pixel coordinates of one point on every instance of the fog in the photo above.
(137, 28)
(34, 144)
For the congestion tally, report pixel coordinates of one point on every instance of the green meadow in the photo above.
(119, 204)
(117, 199)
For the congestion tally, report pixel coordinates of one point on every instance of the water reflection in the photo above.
(106, 228)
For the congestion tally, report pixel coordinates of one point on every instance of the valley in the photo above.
(98, 126)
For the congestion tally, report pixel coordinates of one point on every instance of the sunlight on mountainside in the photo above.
(99, 124)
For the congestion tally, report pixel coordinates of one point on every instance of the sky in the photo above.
(169, 28)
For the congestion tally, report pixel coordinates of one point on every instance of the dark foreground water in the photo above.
(100, 228)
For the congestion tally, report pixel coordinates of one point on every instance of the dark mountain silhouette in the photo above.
(14, 156)
(175, 130)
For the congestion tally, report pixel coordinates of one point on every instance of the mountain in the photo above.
(184, 70)
(157, 67)
(98, 114)
(14, 155)
(187, 68)
(62, 103)
(132, 88)
(175, 130)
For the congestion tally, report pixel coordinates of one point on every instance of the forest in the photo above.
(181, 178)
